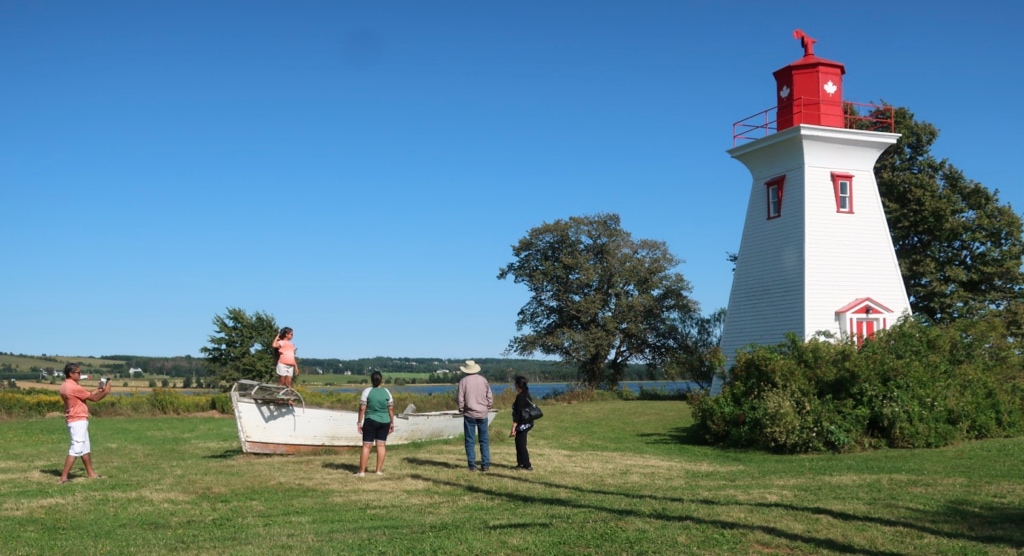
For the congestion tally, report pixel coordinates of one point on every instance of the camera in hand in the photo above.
(103, 382)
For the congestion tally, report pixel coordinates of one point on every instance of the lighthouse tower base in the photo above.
(816, 253)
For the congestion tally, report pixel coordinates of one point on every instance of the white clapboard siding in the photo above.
(795, 271)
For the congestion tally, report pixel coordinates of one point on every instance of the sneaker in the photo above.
(472, 469)
(528, 468)
(485, 469)
(380, 473)
(359, 474)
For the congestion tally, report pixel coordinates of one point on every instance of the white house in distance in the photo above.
(816, 253)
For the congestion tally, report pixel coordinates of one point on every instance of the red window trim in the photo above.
(778, 183)
(836, 178)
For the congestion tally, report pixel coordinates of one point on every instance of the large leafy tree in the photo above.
(698, 355)
(959, 249)
(240, 348)
(599, 298)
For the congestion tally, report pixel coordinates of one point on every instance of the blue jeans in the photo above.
(472, 426)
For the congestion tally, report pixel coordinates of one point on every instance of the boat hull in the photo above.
(273, 427)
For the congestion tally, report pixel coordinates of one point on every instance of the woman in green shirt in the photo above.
(376, 420)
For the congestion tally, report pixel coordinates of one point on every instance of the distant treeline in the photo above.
(496, 369)
(181, 366)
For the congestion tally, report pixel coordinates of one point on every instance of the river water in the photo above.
(537, 390)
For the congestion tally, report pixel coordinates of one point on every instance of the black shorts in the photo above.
(375, 430)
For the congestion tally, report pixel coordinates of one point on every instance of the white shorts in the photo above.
(79, 431)
(285, 370)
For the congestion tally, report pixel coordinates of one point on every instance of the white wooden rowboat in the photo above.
(275, 420)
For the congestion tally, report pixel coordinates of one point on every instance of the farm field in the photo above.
(615, 477)
(117, 386)
(25, 363)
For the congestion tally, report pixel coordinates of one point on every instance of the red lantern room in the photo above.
(810, 90)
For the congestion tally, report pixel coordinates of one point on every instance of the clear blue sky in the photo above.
(360, 170)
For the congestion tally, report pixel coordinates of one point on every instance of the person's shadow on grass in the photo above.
(226, 454)
(680, 435)
(348, 467)
(434, 463)
(450, 465)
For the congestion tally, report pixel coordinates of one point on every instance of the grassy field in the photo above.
(611, 477)
(25, 363)
(142, 384)
(304, 380)
(118, 384)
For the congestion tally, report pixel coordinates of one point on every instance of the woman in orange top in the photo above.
(287, 366)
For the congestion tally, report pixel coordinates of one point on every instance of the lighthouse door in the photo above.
(865, 329)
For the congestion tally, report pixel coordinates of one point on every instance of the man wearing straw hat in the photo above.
(475, 399)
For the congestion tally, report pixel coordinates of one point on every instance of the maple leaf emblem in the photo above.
(784, 92)
(830, 88)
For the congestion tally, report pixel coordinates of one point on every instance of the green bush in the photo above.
(222, 403)
(912, 386)
(578, 393)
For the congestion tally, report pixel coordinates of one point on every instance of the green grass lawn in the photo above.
(611, 478)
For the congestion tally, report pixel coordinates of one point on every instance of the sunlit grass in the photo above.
(611, 477)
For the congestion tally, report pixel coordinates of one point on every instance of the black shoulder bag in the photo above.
(530, 413)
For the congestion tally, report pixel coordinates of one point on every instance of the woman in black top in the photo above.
(520, 429)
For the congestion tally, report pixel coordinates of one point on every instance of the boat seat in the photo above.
(267, 392)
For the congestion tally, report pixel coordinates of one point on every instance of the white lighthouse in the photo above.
(816, 254)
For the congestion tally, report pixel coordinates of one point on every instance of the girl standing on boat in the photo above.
(519, 428)
(287, 366)
(376, 420)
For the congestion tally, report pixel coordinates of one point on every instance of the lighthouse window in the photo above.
(774, 189)
(844, 195)
(842, 184)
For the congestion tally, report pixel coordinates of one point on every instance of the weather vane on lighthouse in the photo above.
(805, 41)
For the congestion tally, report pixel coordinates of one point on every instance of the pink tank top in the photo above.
(287, 351)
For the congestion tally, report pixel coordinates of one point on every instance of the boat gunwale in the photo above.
(282, 446)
